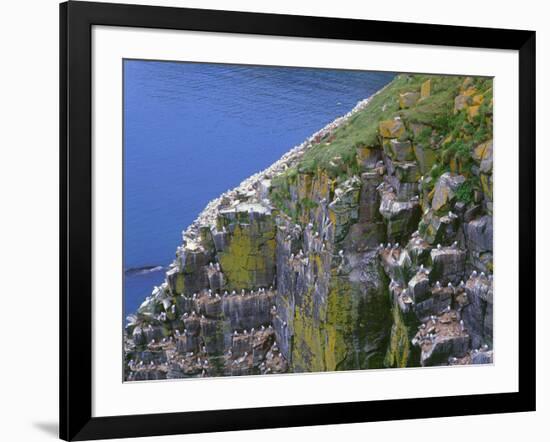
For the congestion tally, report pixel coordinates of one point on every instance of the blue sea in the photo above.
(194, 130)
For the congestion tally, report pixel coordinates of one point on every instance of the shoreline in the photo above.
(208, 215)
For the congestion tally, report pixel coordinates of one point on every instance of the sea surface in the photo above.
(194, 130)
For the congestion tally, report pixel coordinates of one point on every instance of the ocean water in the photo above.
(194, 130)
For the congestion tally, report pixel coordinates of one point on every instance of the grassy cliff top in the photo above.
(361, 130)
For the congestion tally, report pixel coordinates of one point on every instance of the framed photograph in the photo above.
(273, 220)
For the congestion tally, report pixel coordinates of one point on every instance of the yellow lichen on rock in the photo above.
(399, 351)
(470, 92)
(425, 89)
(391, 128)
(480, 151)
(477, 99)
(249, 258)
(473, 111)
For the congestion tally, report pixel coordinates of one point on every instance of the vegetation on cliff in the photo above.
(368, 246)
(445, 125)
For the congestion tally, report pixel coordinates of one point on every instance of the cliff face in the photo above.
(368, 246)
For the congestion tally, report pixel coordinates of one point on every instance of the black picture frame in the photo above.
(76, 21)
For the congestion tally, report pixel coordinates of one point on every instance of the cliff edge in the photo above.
(368, 246)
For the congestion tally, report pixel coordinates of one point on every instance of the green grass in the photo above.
(361, 129)
(336, 154)
(465, 191)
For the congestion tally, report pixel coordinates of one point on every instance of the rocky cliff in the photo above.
(368, 246)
